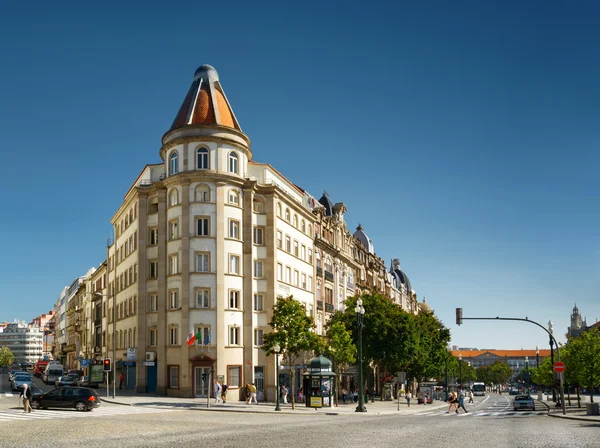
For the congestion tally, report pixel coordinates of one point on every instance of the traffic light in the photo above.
(458, 316)
(107, 364)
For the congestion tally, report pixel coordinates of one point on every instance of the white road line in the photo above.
(41, 414)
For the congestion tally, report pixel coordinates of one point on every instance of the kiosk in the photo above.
(319, 383)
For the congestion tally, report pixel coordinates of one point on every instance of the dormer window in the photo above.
(233, 163)
(202, 158)
(173, 168)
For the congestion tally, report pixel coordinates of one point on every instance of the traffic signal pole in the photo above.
(459, 321)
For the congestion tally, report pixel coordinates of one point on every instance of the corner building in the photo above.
(204, 243)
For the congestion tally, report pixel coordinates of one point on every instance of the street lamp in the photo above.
(360, 313)
(552, 357)
(460, 370)
(469, 374)
(277, 349)
(527, 368)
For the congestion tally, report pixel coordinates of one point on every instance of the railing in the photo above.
(319, 271)
(319, 304)
(328, 308)
(329, 276)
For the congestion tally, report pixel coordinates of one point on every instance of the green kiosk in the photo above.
(319, 383)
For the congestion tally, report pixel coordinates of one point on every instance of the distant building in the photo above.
(578, 324)
(45, 322)
(23, 341)
(516, 359)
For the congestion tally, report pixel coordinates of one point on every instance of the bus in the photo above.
(479, 389)
(38, 368)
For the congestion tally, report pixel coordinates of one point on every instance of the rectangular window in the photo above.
(259, 235)
(173, 377)
(303, 281)
(173, 300)
(279, 240)
(258, 269)
(203, 298)
(258, 302)
(153, 303)
(296, 248)
(234, 264)
(310, 283)
(234, 299)
(173, 230)
(310, 256)
(173, 339)
(203, 262)
(173, 264)
(203, 335)
(288, 244)
(288, 274)
(152, 337)
(233, 376)
(303, 252)
(234, 229)
(203, 226)
(329, 296)
(258, 336)
(234, 335)
(296, 278)
(279, 272)
(154, 269)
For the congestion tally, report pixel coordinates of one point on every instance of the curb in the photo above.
(115, 402)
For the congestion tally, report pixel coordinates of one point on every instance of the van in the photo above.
(51, 373)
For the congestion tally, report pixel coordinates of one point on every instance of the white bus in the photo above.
(479, 389)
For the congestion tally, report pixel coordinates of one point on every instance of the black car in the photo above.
(79, 398)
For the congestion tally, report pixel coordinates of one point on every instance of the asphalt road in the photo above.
(489, 424)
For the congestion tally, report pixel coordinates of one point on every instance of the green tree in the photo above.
(430, 340)
(339, 347)
(543, 374)
(293, 331)
(501, 372)
(584, 359)
(6, 357)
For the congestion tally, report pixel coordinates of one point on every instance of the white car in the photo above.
(20, 380)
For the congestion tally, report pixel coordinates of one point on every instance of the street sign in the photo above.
(559, 366)
(84, 363)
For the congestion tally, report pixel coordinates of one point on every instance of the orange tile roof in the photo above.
(466, 354)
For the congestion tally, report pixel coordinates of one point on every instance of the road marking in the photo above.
(41, 414)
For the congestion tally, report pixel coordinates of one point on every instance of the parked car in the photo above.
(20, 380)
(79, 373)
(13, 373)
(67, 380)
(79, 398)
(523, 402)
(84, 381)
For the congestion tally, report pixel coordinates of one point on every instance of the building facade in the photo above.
(46, 323)
(24, 341)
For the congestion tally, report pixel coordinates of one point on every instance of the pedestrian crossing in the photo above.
(6, 395)
(12, 415)
(483, 413)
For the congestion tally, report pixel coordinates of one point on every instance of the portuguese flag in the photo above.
(192, 337)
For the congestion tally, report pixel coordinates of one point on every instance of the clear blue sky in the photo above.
(463, 135)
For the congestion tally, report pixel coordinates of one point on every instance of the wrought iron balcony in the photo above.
(329, 308)
(329, 276)
(319, 271)
(319, 304)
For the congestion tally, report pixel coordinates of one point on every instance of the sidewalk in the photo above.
(128, 398)
(573, 412)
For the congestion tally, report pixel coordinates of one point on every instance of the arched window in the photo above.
(153, 205)
(302, 226)
(310, 231)
(295, 221)
(279, 210)
(328, 266)
(202, 193)
(202, 158)
(234, 197)
(173, 168)
(287, 214)
(173, 198)
(258, 206)
(233, 163)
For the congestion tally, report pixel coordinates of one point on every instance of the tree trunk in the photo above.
(336, 392)
(591, 389)
(292, 385)
(578, 397)
(569, 394)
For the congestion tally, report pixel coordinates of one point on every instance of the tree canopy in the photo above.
(6, 357)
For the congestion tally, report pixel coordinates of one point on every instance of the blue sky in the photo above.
(464, 136)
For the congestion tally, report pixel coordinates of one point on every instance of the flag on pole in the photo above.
(207, 338)
(192, 337)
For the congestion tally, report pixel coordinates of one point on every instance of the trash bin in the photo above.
(592, 408)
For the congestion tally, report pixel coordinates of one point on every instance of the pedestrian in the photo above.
(284, 394)
(453, 401)
(461, 402)
(344, 394)
(224, 388)
(252, 389)
(121, 378)
(471, 396)
(26, 394)
(355, 395)
(408, 397)
(217, 391)
(301, 395)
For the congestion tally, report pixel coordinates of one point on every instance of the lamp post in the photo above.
(552, 357)
(360, 313)
(460, 370)
(277, 349)
(469, 374)
(527, 370)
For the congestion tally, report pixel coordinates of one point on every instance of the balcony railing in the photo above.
(328, 308)
(329, 276)
(319, 304)
(319, 271)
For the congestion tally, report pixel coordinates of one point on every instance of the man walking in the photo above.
(224, 388)
(408, 397)
(284, 394)
(461, 402)
(471, 396)
(217, 391)
(252, 394)
(26, 394)
(121, 378)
